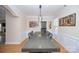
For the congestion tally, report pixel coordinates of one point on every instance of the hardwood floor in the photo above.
(12, 48)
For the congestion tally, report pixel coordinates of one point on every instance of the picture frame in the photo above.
(69, 20)
(50, 24)
(33, 24)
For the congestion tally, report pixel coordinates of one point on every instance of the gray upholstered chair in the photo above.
(50, 35)
(30, 34)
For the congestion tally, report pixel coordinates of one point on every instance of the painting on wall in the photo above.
(69, 20)
(33, 24)
(50, 24)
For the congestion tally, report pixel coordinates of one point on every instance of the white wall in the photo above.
(13, 29)
(35, 18)
(71, 30)
(25, 25)
(69, 35)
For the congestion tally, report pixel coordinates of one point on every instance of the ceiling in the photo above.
(33, 10)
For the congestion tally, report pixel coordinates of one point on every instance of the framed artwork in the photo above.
(33, 24)
(50, 24)
(69, 20)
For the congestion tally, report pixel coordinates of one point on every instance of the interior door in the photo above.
(43, 27)
(43, 24)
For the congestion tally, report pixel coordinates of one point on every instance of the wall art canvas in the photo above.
(50, 24)
(69, 20)
(33, 24)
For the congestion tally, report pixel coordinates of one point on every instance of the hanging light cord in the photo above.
(40, 11)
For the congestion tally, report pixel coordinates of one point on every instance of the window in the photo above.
(56, 24)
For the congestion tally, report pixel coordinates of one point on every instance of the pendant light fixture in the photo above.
(40, 15)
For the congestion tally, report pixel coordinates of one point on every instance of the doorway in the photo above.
(43, 27)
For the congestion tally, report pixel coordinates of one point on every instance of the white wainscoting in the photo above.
(69, 42)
